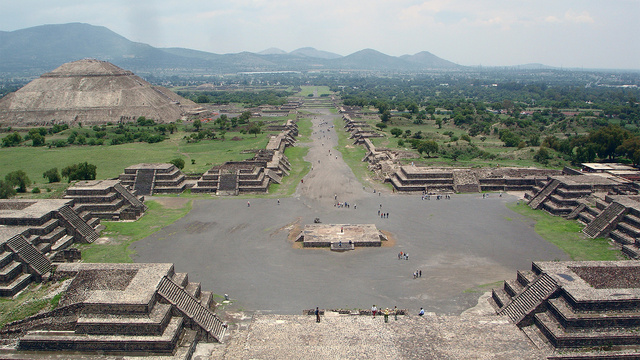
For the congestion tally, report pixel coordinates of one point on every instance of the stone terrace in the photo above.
(607, 205)
(105, 199)
(149, 179)
(411, 178)
(32, 234)
(120, 309)
(588, 309)
(251, 176)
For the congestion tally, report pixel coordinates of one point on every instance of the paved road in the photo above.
(458, 244)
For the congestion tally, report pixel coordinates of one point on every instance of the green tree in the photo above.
(178, 162)
(11, 140)
(386, 116)
(52, 175)
(427, 147)
(254, 129)
(80, 171)
(439, 123)
(542, 155)
(197, 124)
(18, 179)
(6, 191)
(396, 132)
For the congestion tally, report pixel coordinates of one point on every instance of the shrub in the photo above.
(81, 171)
(35, 190)
(178, 162)
(52, 175)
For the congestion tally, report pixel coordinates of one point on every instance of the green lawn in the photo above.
(352, 154)
(306, 90)
(123, 234)
(567, 235)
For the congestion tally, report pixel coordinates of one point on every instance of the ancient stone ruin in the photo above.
(91, 91)
(609, 206)
(255, 175)
(120, 310)
(341, 237)
(106, 200)
(150, 179)
(33, 233)
(582, 309)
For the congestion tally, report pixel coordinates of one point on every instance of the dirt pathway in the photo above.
(330, 179)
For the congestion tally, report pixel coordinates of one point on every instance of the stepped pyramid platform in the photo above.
(340, 237)
(150, 179)
(560, 195)
(105, 199)
(607, 205)
(251, 176)
(32, 234)
(91, 91)
(120, 310)
(577, 306)
(409, 178)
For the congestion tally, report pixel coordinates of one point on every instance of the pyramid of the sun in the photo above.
(91, 91)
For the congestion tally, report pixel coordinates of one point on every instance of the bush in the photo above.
(18, 179)
(81, 171)
(381, 125)
(35, 190)
(52, 175)
(6, 190)
(178, 162)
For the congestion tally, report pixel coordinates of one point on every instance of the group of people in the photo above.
(386, 312)
(417, 274)
(403, 256)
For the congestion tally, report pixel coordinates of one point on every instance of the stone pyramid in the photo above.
(91, 92)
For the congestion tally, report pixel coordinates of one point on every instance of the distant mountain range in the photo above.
(39, 49)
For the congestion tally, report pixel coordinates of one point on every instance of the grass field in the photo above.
(111, 160)
(307, 90)
(567, 235)
(32, 300)
(123, 234)
(352, 154)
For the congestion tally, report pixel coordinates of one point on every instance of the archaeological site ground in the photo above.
(321, 212)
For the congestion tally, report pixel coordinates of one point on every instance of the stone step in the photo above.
(63, 243)
(561, 339)
(582, 321)
(29, 254)
(10, 271)
(70, 341)
(19, 283)
(621, 238)
(206, 299)
(152, 324)
(181, 279)
(53, 236)
(193, 288)
(44, 247)
(5, 258)
(632, 251)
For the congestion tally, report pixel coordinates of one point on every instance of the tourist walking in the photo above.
(317, 315)
(248, 204)
(374, 310)
(395, 312)
(386, 315)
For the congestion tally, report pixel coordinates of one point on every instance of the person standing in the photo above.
(421, 313)
(374, 310)
(395, 312)
(317, 315)
(386, 315)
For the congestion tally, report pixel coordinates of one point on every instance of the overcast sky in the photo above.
(568, 33)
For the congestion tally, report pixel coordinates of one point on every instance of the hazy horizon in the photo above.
(570, 34)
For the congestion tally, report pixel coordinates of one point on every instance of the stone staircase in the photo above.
(144, 181)
(192, 308)
(540, 197)
(87, 232)
(523, 305)
(604, 222)
(228, 184)
(134, 201)
(29, 255)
